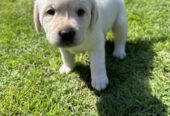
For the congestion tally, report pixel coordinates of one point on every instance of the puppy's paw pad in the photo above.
(119, 54)
(65, 69)
(100, 83)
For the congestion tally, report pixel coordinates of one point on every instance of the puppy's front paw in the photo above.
(100, 83)
(64, 69)
(119, 53)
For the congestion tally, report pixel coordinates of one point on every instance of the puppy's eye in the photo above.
(80, 12)
(51, 12)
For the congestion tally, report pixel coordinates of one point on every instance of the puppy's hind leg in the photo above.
(68, 61)
(120, 30)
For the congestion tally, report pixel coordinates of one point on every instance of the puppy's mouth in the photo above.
(65, 42)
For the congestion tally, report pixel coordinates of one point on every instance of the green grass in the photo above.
(30, 83)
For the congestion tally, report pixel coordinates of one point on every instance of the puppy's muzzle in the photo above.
(67, 34)
(67, 37)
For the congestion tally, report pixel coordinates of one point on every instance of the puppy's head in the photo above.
(65, 22)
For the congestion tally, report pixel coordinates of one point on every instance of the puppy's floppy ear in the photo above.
(36, 17)
(94, 14)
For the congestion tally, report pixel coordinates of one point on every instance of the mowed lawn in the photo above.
(30, 83)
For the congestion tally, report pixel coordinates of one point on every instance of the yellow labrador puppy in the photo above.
(80, 25)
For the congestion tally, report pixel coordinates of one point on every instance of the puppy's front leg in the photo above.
(98, 69)
(68, 62)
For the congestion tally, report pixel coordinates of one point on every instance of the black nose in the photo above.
(67, 34)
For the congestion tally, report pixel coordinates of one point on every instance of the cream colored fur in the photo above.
(99, 17)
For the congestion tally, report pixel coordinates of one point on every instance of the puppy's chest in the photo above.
(84, 47)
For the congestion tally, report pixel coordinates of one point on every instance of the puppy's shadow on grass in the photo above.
(128, 93)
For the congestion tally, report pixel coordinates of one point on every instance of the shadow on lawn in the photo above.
(129, 91)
